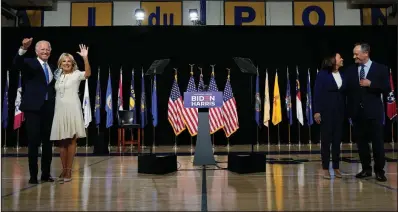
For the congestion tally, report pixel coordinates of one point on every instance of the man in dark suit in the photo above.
(37, 103)
(367, 80)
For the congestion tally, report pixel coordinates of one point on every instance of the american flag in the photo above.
(201, 85)
(191, 114)
(230, 114)
(215, 113)
(175, 108)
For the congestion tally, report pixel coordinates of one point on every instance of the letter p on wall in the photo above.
(245, 13)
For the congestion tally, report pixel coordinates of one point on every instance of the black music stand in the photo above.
(153, 164)
(157, 67)
(253, 162)
(245, 65)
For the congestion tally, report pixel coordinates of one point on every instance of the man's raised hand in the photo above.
(26, 42)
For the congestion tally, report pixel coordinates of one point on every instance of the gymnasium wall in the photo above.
(121, 13)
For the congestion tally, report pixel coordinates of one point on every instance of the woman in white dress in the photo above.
(68, 123)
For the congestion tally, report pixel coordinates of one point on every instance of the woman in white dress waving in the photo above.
(68, 123)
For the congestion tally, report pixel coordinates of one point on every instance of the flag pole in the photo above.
(309, 133)
(175, 144)
(98, 81)
(5, 138)
(154, 128)
(258, 143)
(109, 129)
(18, 138)
(392, 132)
(143, 140)
(268, 136)
(175, 136)
(251, 101)
(212, 138)
(320, 137)
(350, 135)
(109, 139)
(288, 129)
(299, 142)
(192, 65)
(154, 137)
(86, 139)
(279, 140)
(191, 143)
(5, 129)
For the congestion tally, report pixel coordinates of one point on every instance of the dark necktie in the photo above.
(362, 72)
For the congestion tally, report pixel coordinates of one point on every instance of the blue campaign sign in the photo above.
(203, 99)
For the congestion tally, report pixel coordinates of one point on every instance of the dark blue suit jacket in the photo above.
(35, 86)
(369, 97)
(329, 100)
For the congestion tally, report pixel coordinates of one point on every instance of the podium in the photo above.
(203, 101)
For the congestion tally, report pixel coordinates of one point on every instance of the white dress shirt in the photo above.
(337, 78)
(50, 74)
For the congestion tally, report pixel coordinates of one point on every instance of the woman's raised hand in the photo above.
(83, 50)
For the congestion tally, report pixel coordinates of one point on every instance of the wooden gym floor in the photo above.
(292, 182)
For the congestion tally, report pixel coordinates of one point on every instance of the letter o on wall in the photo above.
(306, 16)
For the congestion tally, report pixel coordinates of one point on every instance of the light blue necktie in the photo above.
(47, 77)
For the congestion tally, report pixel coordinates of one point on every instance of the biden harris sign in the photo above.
(203, 99)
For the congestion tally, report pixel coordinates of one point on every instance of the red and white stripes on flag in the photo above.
(120, 92)
(19, 115)
(229, 111)
(175, 108)
(299, 104)
(215, 114)
(191, 114)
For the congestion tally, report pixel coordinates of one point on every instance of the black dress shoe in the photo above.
(381, 177)
(33, 181)
(363, 174)
(47, 179)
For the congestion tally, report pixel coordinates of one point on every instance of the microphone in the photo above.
(204, 87)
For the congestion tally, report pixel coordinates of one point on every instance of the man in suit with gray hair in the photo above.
(37, 103)
(366, 81)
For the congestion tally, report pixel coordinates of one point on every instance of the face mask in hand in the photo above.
(57, 73)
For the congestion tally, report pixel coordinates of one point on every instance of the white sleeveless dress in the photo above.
(68, 116)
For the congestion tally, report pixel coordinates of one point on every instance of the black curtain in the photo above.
(270, 48)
